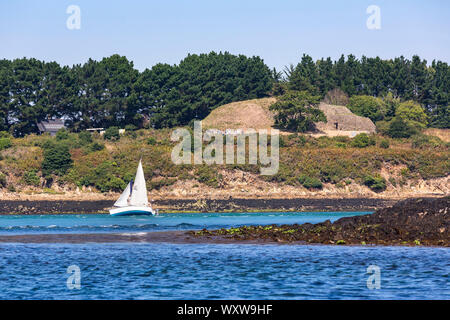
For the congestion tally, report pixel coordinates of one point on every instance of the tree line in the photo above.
(398, 78)
(111, 92)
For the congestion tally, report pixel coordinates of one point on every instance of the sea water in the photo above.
(210, 271)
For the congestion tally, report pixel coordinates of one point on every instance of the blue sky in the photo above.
(148, 32)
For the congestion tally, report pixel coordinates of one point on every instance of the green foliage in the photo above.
(151, 141)
(4, 134)
(367, 106)
(362, 140)
(97, 146)
(175, 95)
(116, 94)
(384, 144)
(297, 111)
(398, 128)
(5, 143)
(130, 127)
(310, 182)
(376, 183)
(412, 114)
(383, 127)
(30, 178)
(57, 159)
(85, 138)
(104, 177)
(112, 133)
(423, 141)
(62, 134)
(207, 175)
(3, 181)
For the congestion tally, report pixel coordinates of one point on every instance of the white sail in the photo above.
(139, 192)
(122, 201)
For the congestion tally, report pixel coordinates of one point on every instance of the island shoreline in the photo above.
(40, 207)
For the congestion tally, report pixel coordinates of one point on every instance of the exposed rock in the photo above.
(409, 222)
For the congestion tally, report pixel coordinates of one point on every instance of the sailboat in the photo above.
(133, 200)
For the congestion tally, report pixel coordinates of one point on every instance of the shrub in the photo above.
(362, 140)
(367, 106)
(85, 137)
(158, 184)
(151, 141)
(112, 133)
(130, 127)
(30, 178)
(310, 182)
(97, 146)
(398, 128)
(376, 183)
(5, 134)
(62, 134)
(422, 141)
(384, 144)
(297, 111)
(383, 127)
(3, 181)
(5, 143)
(207, 175)
(57, 159)
(413, 114)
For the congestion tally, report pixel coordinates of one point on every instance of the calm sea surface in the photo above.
(209, 271)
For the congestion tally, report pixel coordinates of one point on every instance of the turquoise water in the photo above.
(20, 224)
(209, 271)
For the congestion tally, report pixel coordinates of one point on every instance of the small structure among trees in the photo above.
(51, 126)
(340, 118)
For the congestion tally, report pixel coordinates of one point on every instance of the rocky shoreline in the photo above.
(27, 207)
(410, 222)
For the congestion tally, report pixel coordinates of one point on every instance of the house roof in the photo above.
(51, 125)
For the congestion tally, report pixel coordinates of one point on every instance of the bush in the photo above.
(30, 178)
(112, 133)
(5, 134)
(207, 175)
(85, 138)
(362, 140)
(384, 144)
(310, 182)
(5, 143)
(383, 127)
(57, 159)
(413, 114)
(62, 134)
(151, 141)
(398, 128)
(3, 181)
(376, 183)
(422, 141)
(367, 106)
(130, 127)
(96, 146)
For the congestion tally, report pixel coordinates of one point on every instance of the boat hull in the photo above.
(132, 211)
